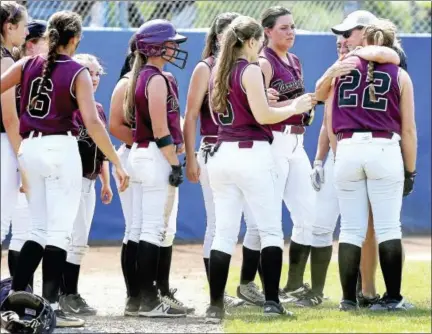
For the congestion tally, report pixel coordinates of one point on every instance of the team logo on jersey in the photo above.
(173, 105)
(84, 137)
(287, 87)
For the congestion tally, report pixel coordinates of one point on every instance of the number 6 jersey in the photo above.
(353, 108)
(54, 109)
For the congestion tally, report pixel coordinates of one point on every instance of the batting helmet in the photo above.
(6, 286)
(151, 39)
(24, 312)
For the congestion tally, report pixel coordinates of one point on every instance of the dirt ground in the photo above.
(101, 284)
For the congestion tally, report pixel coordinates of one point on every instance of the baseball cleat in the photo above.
(64, 320)
(364, 301)
(348, 305)
(388, 304)
(230, 301)
(75, 304)
(132, 306)
(175, 303)
(310, 299)
(251, 294)
(157, 308)
(288, 296)
(271, 308)
(214, 315)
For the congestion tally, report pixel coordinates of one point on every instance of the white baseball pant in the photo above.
(294, 187)
(81, 227)
(368, 168)
(9, 184)
(239, 176)
(149, 174)
(326, 207)
(125, 196)
(21, 224)
(54, 171)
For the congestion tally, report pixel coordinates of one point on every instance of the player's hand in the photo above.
(193, 170)
(304, 103)
(409, 183)
(122, 177)
(339, 69)
(273, 96)
(24, 183)
(180, 149)
(317, 175)
(176, 176)
(106, 194)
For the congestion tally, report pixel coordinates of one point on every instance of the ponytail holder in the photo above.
(242, 41)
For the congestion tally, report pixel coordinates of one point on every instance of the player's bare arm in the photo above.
(157, 92)
(106, 191)
(338, 69)
(197, 90)
(9, 112)
(263, 113)
(409, 130)
(94, 125)
(117, 123)
(376, 53)
(323, 140)
(329, 114)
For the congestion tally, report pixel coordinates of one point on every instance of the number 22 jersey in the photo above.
(353, 108)
(55, 107)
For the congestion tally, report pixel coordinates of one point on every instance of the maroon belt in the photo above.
(128, 146)
(295, 129)
(144, 144)
(92, 176)
(43, 134)
(209, 140)
(375, 134)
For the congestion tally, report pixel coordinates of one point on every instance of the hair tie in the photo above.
(242, 41)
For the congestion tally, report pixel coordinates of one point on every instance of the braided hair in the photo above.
(62, 26)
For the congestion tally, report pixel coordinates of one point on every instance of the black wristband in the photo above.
(164, 141)
(410, 174)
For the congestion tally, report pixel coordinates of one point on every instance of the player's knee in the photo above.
(76, 254)
(17, 242)
(61, 240)
(152, 235)
(272, 239)
(387, 233)
(356, 239)
(224, 244)
(252, 239)
(322, 236)
(40, 236)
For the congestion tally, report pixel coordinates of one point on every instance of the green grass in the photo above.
(326, 318)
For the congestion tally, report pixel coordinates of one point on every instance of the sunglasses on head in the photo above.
(347, 34)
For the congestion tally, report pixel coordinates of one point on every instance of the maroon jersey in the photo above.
(353, 109)
(174, 125)
(143, 131)
(91, 156)
(208, 125)
(287, 80)
(237, 123)
(54, 109)
(5, 54)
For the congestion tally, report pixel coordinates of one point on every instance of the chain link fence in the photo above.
(316, 16)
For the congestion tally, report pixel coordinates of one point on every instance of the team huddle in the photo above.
(249, 97)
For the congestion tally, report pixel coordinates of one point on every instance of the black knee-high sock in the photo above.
(320, 260)
(53, 265)
(70, 278)
(349, 262)
(147, 264)
(249, 267)
(13, 257)
(162, 281)
(219, 267)
(207, 268)
(271, 263)
(298, 256)
(29, 258)
(123, 267)
(131, 268)
(390, 254)
(359, 283)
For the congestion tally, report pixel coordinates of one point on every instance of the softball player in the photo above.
(235, 176)
(373, 132)
(323, 228)
(94, 165)
(52, 88)
(13, 20)
(196, 168)
(34, 44)
(151, 102)
(283, 73)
